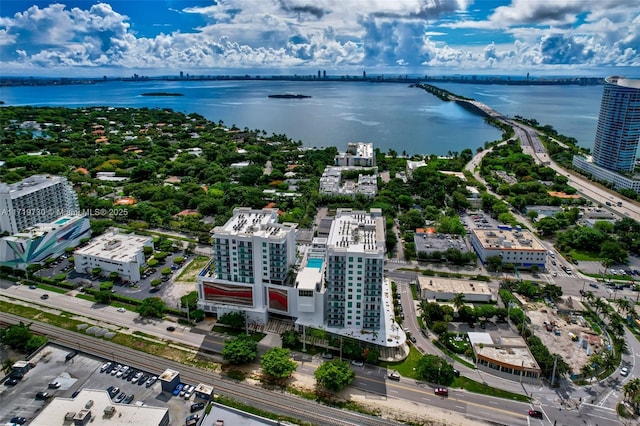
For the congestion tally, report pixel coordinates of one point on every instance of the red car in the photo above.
(441, 391)
(535, 414)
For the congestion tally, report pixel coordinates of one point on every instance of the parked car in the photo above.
(54, 385)
(456, 373)
(356, 363)
(184, 390)
(535, 414)
(142, 380)
(75, 393)
(71, 355)
(171, 328)
(42, 395)
(192, 420)
(151, 381)
(120, 397)
(441, 391)
(18, 420)
(105, 366)
(113, 391)
(178, 388)
(413, 339)
(128, 399)
(44, 296)
(394, 375)
(624, 371)
(197, 406)
(11, 382)
(594, 285)
(327, 355)
(188, 394)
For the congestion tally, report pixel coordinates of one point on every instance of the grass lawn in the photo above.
(406, 367)
(477, 387)
(192, 270)
(52, 288)
(584, 255)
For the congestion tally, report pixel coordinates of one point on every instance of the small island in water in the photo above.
(289, 96)
(162, 94)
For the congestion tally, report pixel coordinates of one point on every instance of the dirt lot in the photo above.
(559, 339)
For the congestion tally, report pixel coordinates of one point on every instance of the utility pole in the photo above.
(553, 375)
(304, 338)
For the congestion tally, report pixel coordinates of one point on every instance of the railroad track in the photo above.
(278, 402)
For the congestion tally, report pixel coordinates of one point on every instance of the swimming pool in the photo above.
(314, 262)
(63, 220)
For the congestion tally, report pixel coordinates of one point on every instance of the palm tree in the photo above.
(599, 305)
(458, 301)
(631, 391)
(589, 296)
(623, 305)
(616, 326)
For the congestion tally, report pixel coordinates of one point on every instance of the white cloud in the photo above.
(332, 33)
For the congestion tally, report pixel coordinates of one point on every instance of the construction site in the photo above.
(561, 328)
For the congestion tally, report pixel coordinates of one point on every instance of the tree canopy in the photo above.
(240, 350)
(277, 363)
(334, 375)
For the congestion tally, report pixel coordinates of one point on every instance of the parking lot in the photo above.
(81, 371)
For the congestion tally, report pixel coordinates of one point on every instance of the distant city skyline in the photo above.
(160, 37)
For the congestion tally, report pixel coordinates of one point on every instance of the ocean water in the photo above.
(393, 116)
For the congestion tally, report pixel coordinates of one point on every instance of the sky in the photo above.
(416, 37)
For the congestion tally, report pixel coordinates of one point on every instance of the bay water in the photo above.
(392, 116)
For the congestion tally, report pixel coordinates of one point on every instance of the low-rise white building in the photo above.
(95, 407)
(505, 356)
(515, 246)
(114, 252)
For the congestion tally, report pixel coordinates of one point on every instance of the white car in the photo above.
(624, 371)
(151, 381)
(188, 393)
(122, 310)
(105, 366)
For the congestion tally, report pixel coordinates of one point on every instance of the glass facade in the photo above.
(618, 130)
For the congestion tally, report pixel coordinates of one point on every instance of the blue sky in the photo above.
(159, 37)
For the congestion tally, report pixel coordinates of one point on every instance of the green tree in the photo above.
(334, 375)
(235, 320)
(241, 350)
(435, 369)
(290, 339)
(103, 296)
(458, 301)
(152, 307)
(277, 364)
(34, 343)
(16, 336)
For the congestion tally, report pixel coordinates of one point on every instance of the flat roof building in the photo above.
(114, 252)
(95, 407)
(445, 289)
(505, 356)
(359, 154)
(515, 246)
(36, 199)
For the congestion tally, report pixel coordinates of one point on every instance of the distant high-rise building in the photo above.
(181, 75)
(36, 199)
(324, 74)
(364, 74)
(318, 74)
(618, 131)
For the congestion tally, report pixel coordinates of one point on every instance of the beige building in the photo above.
(445, 289)
(516, 246)
(505, 356)
(95, 407)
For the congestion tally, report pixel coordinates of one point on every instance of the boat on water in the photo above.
(289, 96)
